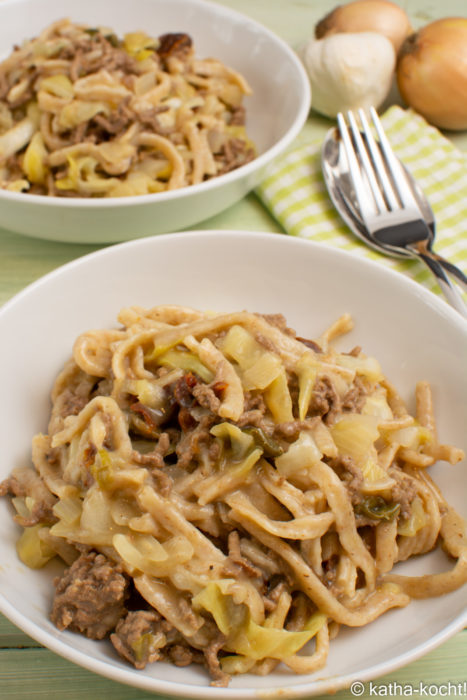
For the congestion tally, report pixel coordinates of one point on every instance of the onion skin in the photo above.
(432, 73)
(380, 16)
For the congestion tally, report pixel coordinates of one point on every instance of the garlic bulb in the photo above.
(348, 71)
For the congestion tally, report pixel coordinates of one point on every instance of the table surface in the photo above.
(28, 670)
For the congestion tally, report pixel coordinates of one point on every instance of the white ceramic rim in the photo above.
(328, 685)
(239, 173)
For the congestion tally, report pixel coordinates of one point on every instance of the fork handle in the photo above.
(449, 290)
(459, 276)
(424, 247)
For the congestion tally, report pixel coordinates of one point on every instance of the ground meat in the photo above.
(182, 655)
(254, 402)
(90, 596)
(271, 597)
(254, 418)
(188, 449)
(12, 486)
(291, 429)
(144, 636)
(73, 403)
(97, 54)
(348, 471)
(162, 481)
(116, 122)
(41, 513)
(310, 344)
(330, 573)
(154, 458)
(233, 154)
(236, 563)
(266, 343)
(140, 636)
(220, 678)
(355, 352)
(206, 397)
(183, 390)
(237, 117)
(355, 397)
(255, 409)
(280, 322)
(403, 492)
(27, 482)
(325, 400)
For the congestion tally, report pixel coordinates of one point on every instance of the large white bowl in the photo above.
(276, 112)
(414, 334)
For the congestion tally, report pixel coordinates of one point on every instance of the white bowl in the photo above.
(276, 112)
(414, 335)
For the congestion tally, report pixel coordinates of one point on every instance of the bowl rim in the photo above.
(209, 185)
(429, 297)
(129, 677)
(182, 690)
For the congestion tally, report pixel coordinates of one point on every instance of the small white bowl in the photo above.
(276, 112)
(413, 334)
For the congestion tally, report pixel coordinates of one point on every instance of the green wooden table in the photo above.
(27, 670)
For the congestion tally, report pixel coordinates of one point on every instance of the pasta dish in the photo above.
(225, 492)
(84, 113)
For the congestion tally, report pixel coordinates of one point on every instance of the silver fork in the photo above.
(387, 205)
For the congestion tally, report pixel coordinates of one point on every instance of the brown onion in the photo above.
(380, 16)
(432, 72)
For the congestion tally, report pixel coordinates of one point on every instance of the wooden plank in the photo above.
(11, 636)
(37, 673)
(444, 665)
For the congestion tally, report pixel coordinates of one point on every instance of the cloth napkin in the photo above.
(294, 192)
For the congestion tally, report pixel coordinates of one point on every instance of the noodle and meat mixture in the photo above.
(84, 113)
(227, 493)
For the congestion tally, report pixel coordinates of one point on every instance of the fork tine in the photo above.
(394, 167)
(366, 164)
(378, 162)
(357, 180)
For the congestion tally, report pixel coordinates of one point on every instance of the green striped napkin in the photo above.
(294, 191)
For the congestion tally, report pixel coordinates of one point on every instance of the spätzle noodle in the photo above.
(228, 493)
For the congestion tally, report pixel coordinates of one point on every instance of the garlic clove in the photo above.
(348, 71)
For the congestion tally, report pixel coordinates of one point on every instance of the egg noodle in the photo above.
(86, 114)
(247, 491)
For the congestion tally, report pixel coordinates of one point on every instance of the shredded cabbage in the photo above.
(355, 435)
(417, 519)
(79, 111)
(277, 398)
(139, 45)
(32, 550)
(240, 442)
(248, 638)
(35, 160)
(59, 85)
(307, 371)
(368, 367)
(257, 367)
(187, 361)
(144, 553)
(301, 454)
(377, 405)
(413, 437)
